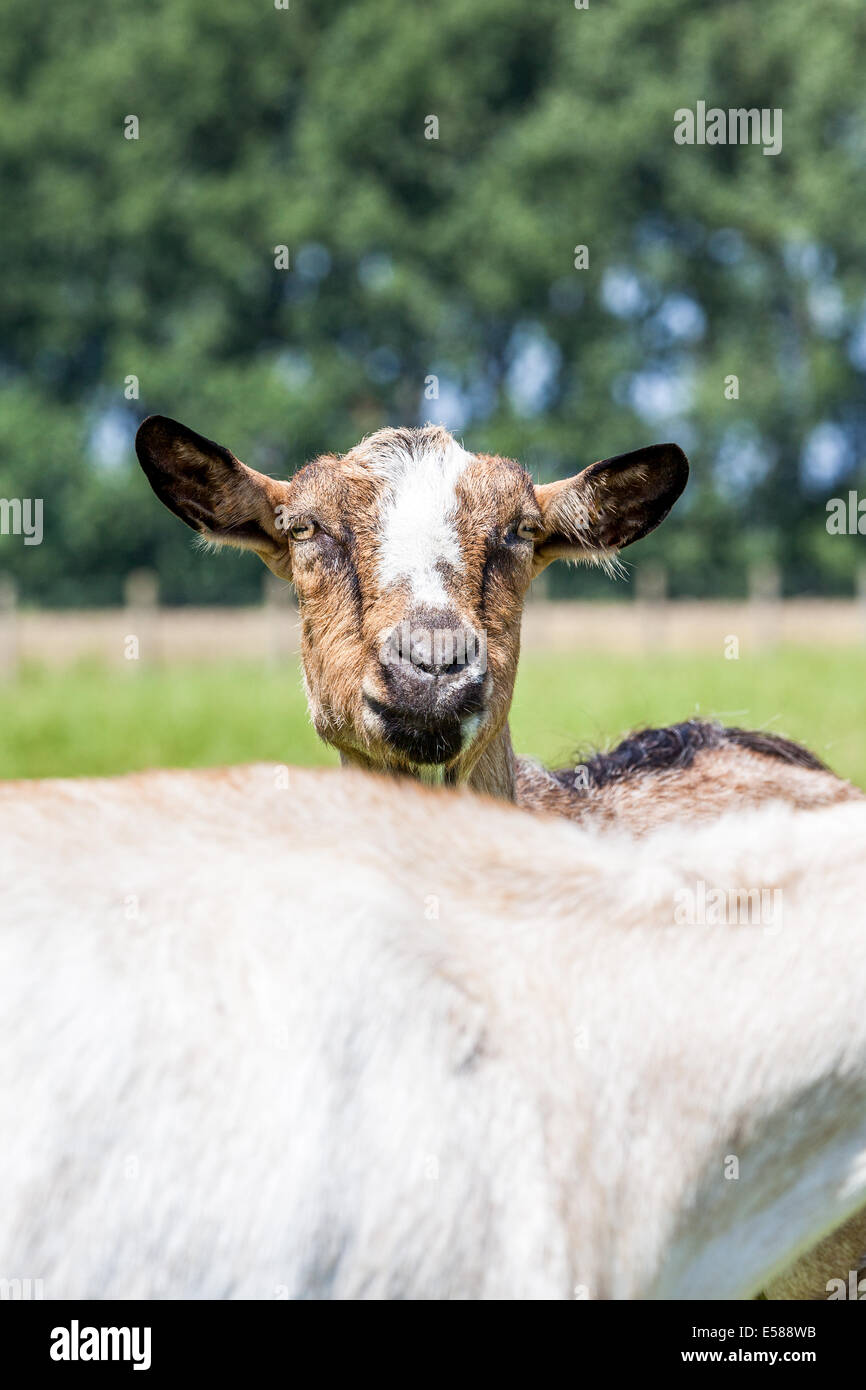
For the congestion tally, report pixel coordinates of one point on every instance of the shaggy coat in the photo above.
(411, 558)
(466, 1053)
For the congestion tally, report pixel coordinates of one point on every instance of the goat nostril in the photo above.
(443, 671)
(446, 669)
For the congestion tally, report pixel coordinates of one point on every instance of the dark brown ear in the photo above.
(610, 504)
(212, 491)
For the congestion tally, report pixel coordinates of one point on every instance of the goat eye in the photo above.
(528, 530)
(303, 530)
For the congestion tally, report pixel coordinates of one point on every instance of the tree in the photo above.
(431, 172)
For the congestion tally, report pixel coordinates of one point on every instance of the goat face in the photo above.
(411, 558)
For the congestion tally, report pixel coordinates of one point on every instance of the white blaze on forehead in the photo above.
(419, 515)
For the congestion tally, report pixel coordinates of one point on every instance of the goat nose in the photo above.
(434, 645)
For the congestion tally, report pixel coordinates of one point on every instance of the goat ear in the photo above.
(212, 491)
(609, 505)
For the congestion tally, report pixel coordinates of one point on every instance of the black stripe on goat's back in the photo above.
(675, 748)
(774, 746)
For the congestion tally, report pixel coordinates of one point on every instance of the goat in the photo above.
(468, 1053)
(411, 558)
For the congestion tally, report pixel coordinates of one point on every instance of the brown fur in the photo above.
(694, 771)
(345, 610)
(344, 613)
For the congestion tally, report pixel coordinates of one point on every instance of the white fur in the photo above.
(419, 530)
(248, 1051)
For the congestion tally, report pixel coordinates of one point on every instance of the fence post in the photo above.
(539, 589)
(861, 595)
(651, 598)
(279, 611)
(141, 595)
(765, 598)
(8, 627)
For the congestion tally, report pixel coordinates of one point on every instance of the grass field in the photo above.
(92, 719)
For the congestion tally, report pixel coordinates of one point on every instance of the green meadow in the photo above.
(90, 719)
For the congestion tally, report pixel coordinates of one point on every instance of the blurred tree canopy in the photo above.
(413, 258)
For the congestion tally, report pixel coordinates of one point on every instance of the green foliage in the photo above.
(306, 127)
